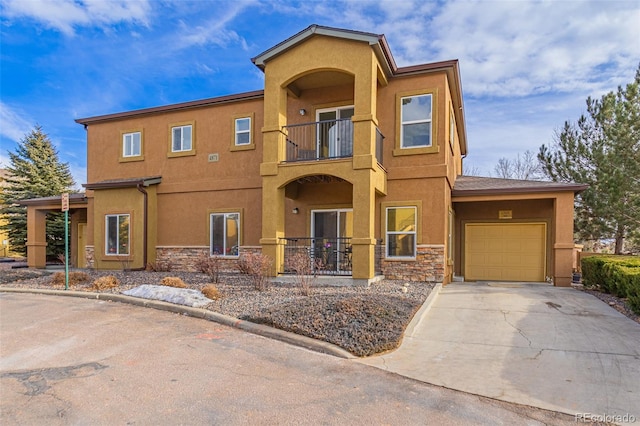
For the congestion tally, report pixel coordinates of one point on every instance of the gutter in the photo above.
(145, 225)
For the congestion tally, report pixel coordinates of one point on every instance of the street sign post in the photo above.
(65, 209)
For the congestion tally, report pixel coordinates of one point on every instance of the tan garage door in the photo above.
(505, 251)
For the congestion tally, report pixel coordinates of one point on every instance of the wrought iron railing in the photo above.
(320, 140)
(324, 140)
(317, 256)
(379, 146)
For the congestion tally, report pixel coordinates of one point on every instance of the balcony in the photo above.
(324, 140)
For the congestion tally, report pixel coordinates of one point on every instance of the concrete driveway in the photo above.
(534, 344)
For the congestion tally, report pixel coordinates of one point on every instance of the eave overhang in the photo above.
(124, 183)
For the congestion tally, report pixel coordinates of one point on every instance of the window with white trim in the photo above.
(131, 144)
(117, 234)
(401, 232)
(243, 131)
(225, 234)
(181, 138)
(415, 121)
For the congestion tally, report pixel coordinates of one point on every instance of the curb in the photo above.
(422, 312)
(259, 329)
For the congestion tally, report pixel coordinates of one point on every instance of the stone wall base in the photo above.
(428, 266)
(185, 259)
(90, 257)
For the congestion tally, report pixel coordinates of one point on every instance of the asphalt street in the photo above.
(78, 361)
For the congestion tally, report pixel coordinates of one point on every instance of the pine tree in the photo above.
(35, 171)
(603, 150)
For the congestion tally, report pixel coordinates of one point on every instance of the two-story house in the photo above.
(343, 155)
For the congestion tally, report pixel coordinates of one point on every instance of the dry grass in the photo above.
(75, 278)
(173, 282)
(106, 282)
(211, 291)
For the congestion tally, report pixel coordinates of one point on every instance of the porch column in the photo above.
(363, 240)
(273, 223)
(563, 244)
(36, 237)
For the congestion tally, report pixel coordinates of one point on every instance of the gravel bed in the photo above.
(362, 320)
(615, 302)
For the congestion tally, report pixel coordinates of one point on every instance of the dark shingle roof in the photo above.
(477, 185)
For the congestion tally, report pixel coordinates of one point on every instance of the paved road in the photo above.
(78, 361)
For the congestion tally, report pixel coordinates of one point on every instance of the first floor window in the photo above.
(401, 231)
(225, 234)
(181, 138)
(117, 234)
(131, 146)
(243, 131)
(415, 120)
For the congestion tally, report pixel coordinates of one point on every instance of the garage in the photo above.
(505, 251)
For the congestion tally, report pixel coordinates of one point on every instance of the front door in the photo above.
(335, 132)
(331, 232)
(82, 238)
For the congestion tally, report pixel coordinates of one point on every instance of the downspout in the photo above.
(145, 215)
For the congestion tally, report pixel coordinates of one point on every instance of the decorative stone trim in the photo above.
(428, 265)
(89, 257)
(185, 258)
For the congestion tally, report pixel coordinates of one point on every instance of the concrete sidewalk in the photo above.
(533, 344)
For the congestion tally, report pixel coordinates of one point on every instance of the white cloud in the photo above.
(66, 15)
(14, 124)
(213, 31)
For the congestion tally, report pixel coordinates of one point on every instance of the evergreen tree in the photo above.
(602, 150)
(35, 171)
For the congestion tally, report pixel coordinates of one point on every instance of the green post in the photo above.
(65, 208)
(66, 250)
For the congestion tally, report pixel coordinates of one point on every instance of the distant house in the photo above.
(343, 155)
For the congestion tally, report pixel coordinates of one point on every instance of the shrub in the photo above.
(256, 266)
(619, 275)
(209, 265)
(211, 291)
(173, 282)
(106, 282)
(75, 278)
(300, 264)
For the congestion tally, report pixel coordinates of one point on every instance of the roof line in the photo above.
(124, 183)
(246, 96)
(530, 190)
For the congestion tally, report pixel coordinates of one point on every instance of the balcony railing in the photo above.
(324, 140)
(317, 256)
(323, 256)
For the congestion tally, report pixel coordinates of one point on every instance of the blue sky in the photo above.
(526, 66)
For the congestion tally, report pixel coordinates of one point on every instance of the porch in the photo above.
(323, 256)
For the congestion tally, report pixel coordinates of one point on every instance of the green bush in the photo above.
(619, 275)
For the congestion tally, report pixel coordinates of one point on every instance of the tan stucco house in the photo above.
(343, 154)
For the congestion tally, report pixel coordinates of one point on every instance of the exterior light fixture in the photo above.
(303, 111)
(295, 210)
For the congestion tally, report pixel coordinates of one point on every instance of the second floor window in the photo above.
(181, 138)
(416, 121)
(131, 146)
(243, 131)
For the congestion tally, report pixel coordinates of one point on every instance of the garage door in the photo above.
(505, 251)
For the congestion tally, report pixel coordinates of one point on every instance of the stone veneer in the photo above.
(186, 258)
(428, 266)
(89, 257)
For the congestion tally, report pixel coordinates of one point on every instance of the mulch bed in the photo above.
(362, 320)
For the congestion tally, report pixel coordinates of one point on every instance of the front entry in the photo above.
(331, 232)
(82, 238)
